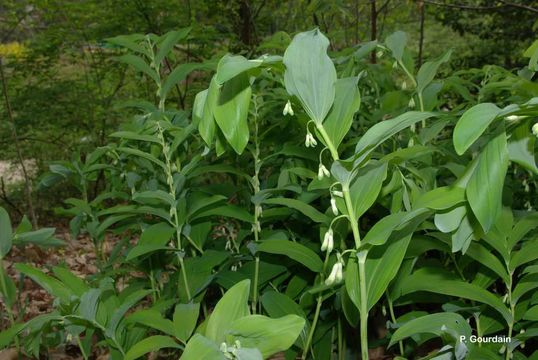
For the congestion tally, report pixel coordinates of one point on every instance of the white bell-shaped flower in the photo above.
(535, 129)
(323, 172)
(288, 110)
(336, 274)
(333, 206)
(328, 241)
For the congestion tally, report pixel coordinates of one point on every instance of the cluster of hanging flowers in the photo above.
(337, 273)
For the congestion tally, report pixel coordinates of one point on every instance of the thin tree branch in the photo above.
(5, 198)
(466, 7)
(520, 6)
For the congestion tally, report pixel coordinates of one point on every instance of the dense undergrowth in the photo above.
(306, 200)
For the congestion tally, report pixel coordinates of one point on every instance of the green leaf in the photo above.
(8, 292)
(382, 265)
(6, 233)
(153, 238)
(396, 44)
(50, 284)
(150, 344)
(7, 336)
(168, 41)
(346, 103)
(43, 237)
(73, 282)
(206, 126)
(232, 65)
(463, 236)
(304, 208)
(140, 65)
(232, 306)
(119, 314)
(89, 302)
(531, 314)
(438, 324)
(179, 74)
(532, 53)
(198, 107)
(484, 256)
(441, 198)
(152, 195)
(385, 129)
(448, 221)
(142, 154)
(277, 304)
(231, 112)
(129, 42)
(130, 135)
(310, 73)
(380, 232)
(293, 250)
(485, 187)
(527, 283)
(366, 187)
(154, 319)
(229, 210)
(185, 319)
(352, 281)
(428, 71)
(199, 347)
(472, 124)
(268, 335)
(432, 280)
(521, 147)
(528, 253)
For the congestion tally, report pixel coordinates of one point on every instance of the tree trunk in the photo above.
(373, 27)
(421, 40)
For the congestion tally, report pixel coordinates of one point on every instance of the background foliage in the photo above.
(250, 188)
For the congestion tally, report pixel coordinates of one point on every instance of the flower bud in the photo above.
(513, 118)
(288, 110)
(535, 129)
(328, 241)
(310, 141)
(323, 172)
(338, 193)
(411, 103)
(333, 206)
(336, 274)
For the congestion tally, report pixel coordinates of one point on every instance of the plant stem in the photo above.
(255, 286)
(257, 214)
(79, 343)
(328, 142)
(341, 354)
(169, 170)
(352, 218)
(354, 222)
(361, 256)
(512, 310)
(312, 328)
(393, 319)
(9, 310)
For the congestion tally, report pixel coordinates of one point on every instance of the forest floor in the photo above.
(78, 255)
